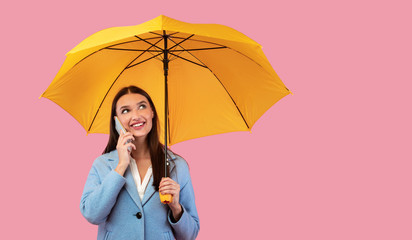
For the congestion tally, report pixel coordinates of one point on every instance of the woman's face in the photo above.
(135, 114)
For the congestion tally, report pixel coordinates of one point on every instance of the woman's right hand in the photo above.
(123, 152)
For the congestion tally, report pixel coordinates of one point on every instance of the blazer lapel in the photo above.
(131, 188)
(130, 185)
(150, 189)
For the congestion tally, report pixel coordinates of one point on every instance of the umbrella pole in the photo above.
(165, 70)
(167, 198)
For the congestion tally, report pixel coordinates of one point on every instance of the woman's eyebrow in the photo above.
(143, 101)
(125, 106)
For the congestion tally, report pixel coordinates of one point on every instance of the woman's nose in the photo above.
(135, 113)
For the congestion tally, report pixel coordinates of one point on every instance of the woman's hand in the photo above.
(123, 152)
(168, 186)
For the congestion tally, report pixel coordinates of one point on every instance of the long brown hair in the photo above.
(156, 149)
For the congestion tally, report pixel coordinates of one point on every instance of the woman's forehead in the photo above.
(131, 99)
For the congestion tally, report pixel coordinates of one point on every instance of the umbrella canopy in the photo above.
(215, 78)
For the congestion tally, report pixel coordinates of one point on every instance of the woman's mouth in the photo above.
(138, 125)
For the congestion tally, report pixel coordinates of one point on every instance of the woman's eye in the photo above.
(125, 111)
(142, 106)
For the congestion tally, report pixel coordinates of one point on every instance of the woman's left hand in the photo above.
(168, 186)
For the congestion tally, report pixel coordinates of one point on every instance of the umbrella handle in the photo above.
(165, 198)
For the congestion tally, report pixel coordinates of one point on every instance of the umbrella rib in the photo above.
(156, 44)
(170, 34)
(135, 50)
(202, 41)
(198, 49)
(188, 60)
(178, 44)
(143, 61)
(171, 58)
(196, 40)
(101, 103)
(109, 47)
(156, 50)
(132, 41)
(173, 48)
(204, 65)
(244, 120)
(151, 44)
(143, 51)
(150, 51)
(156, 33)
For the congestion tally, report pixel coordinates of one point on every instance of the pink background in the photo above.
(330, 162)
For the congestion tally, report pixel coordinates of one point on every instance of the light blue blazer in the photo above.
(112, 202)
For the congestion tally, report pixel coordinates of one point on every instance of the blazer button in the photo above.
(139, 215)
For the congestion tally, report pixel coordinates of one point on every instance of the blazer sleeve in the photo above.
(188, 225)
(100, 192)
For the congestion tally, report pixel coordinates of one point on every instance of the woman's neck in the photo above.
(142, 151)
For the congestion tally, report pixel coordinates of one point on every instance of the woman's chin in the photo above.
(139, 135)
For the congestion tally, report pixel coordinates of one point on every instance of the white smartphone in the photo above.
(120, 128)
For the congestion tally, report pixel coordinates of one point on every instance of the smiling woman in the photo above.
(119, 194)
(135, 113)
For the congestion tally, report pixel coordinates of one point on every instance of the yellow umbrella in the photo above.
(215, 78)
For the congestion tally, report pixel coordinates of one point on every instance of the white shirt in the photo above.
(141, 186)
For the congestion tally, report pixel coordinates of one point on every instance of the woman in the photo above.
(120, 191)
